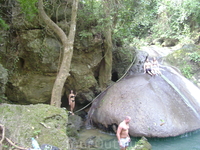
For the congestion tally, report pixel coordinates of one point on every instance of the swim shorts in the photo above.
(124, 142)
(148, 69)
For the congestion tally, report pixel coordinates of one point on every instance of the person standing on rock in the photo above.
(122, 133)
(72, 101)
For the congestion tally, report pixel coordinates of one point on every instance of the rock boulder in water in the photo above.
(160, 106)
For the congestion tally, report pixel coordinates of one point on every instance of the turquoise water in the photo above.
(188, 141)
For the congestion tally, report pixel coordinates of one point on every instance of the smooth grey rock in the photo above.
(156, 108)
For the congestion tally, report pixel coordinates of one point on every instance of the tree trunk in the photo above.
(106, 63)
(67, 43)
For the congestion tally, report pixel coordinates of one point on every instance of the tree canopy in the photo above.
(134, 18)
(142, 18)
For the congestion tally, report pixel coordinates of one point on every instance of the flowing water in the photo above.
(108, 141)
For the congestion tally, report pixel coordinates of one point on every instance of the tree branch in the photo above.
(13, 144)
(51, 24)
(9, 141)
(3, 133)
(73, 20)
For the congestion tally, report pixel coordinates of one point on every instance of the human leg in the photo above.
(148, 71)
(72, 107)
(122, 148)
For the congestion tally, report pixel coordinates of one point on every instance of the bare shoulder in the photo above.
(121, 124)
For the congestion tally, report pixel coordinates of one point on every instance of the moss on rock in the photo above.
(44, 122)
(187, 60)
(142, 144)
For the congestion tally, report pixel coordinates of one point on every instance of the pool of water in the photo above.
(108, 141)
(188, 141)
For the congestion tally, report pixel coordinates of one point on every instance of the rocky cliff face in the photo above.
(32, 54)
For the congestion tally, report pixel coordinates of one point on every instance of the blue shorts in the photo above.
(124, 142)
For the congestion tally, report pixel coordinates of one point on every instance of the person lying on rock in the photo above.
(72, 101)
(122, 133)
(148, 67)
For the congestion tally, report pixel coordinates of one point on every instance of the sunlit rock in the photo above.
(160, 106)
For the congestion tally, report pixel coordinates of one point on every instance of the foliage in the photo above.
(137, 18)
(157, 18)
(89, 18)
(29, 8)
(194, 57)
(84, 34)
(131, 19)
(3, 24)
(2, 98)
(187, 70)
(36, 133)
(176, 18)
(127, 18)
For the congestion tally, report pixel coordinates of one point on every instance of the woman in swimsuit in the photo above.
(72, 101)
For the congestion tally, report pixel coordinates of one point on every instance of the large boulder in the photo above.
(160, 106)
(47, 124)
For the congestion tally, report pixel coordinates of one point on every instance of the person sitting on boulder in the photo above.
(155, 66)
(148, 67)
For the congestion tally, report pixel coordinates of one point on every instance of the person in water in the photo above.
(123, 133)
(72, 101)
(148, 67)
(155, 66)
